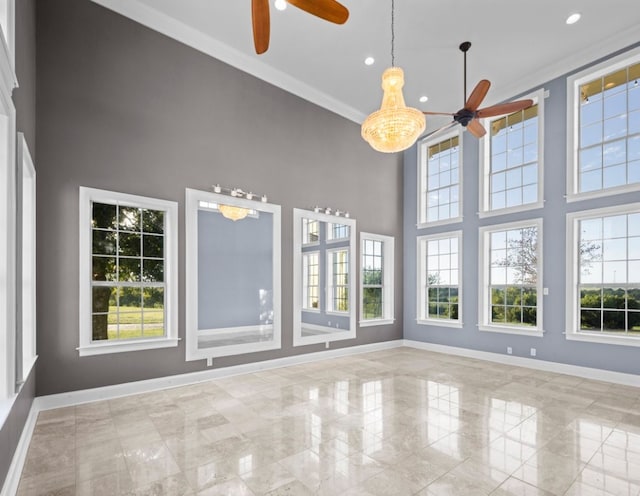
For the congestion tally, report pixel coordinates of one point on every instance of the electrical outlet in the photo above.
(509, 350)
(533, 352)
(545, 291)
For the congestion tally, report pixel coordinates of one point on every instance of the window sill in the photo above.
(602, 338)
(311, 310)
(121, 347)
(436, 223)
(511, 210)
(519, 331)
(375, 322)
(440, 323)
(600, 193)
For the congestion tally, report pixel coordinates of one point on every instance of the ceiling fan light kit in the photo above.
(395, 127)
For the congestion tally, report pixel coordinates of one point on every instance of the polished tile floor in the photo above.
(396, 422)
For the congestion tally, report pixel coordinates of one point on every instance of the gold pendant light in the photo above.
(395, 127)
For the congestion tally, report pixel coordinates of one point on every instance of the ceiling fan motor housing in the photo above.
(464, 116)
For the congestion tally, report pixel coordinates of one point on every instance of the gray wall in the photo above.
(123, 108)
(553, 346)
(24, 99)
(235, 263)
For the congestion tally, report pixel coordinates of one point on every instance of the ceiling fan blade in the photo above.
(261, 29)
(476, 128)
(329, 10)
(477, 95)
(437, 113)
(438, 131)
(504, 108)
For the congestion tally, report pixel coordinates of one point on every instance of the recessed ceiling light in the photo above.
(573, 18)
(369, 60)
(280, 4)
(424, 98)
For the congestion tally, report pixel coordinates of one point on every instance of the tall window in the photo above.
(439, 269)
(129, 268)
(311, 281)
(605, 283)
(376, 279)
(604, 128)
(26, 258)
(338, 276)
(440, 195)
(512, 150)
(510, 277)
(7, 234)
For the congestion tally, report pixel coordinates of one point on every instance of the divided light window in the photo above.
(513, 160)
(338, 267)
(511, 277)
(376, 279)
(439, 269)
(604, 128)
(311, 281)
(605, 252)
(440, 195)
(130, 261)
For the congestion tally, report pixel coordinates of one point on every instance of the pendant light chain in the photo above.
(393, 34)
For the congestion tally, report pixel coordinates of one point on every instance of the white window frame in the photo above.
(572, 331)
(538, 98)
(422, 318)
(329, 310)
(388, 255)
(573, 124)
(423, 180)
(305, 234)
(305, 285)
(7, 235)
(87, 346)
(484, 293)
(26, 316)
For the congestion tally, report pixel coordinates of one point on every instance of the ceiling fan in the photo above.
(329, 10)
(468, 115)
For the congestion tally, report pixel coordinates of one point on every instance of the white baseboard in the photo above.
(531, 363)
(10, 487)
(110, 392)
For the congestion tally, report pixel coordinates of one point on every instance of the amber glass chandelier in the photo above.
(395, 127)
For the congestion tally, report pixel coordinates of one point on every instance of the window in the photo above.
(376, 279)
(311, 284)
(338, 276)
(604, 128)
(510, 278)
(128, 272)
(603, 301)
(26, 322)
(7, 230)
(440, 184)
(337, 232)
(310, 231)
(7, 23)
(512, 154)
(439, 289)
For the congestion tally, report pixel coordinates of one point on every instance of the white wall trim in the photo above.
(204, 43)
(12, 480)
(531, 363)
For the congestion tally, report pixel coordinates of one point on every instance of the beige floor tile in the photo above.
(395, 422)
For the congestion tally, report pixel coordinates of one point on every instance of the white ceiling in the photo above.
(517, 45)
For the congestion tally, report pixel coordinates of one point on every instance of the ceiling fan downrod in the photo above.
(464, 47)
